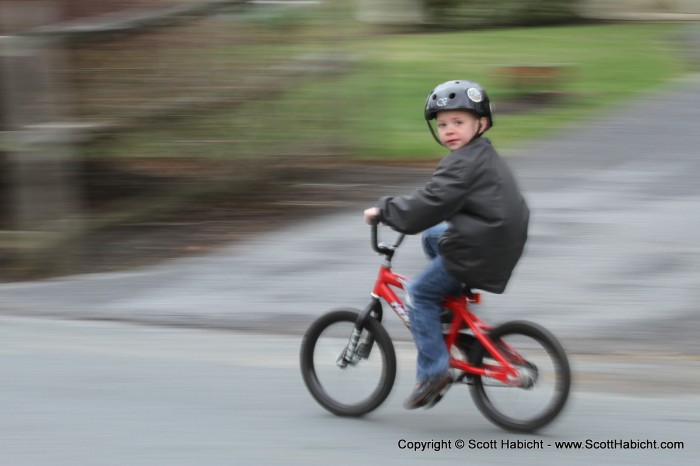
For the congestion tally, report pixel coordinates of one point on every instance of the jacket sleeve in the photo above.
(435, 202)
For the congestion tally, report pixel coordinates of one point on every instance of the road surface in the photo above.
(109, 394)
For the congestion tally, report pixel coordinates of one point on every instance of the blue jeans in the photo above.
(425, 296)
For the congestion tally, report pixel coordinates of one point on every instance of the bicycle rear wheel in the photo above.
(544, 383)
(358, 387)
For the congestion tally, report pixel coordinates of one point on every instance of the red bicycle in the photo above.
(518, 372)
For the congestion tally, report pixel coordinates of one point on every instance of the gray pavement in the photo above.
(612, 264)
(99, 394)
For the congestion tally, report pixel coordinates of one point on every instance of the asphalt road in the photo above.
(102, 394)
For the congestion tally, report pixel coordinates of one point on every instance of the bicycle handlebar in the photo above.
(381, 248)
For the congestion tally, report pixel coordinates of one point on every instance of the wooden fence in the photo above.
(65, 86)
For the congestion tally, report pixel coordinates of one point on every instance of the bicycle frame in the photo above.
(387, 279)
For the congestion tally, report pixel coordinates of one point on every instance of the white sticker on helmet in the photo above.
(474, 94)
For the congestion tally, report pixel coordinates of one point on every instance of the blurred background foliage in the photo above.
(176, 103)
(540, 79)
(494, 13)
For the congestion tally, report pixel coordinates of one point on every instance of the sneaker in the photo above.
(427, 392)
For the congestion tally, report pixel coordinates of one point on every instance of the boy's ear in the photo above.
(484, 123)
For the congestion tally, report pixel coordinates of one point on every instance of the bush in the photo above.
(487, 13)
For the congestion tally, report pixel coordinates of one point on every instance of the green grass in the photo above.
(375, 111)
(608, 64)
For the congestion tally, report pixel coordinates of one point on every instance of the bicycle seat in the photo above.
(472, 296)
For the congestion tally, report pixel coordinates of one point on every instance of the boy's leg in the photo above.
(426, 293)
(431, 239)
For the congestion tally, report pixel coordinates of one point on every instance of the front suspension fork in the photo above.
(356, 349)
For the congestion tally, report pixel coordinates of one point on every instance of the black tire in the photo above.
(547, 362)
(319, 370)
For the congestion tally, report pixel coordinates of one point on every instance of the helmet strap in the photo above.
(432, 131)
(478, 131)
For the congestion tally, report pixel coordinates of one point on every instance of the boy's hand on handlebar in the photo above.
(372, 215)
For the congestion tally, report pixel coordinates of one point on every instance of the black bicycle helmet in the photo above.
(458, 95)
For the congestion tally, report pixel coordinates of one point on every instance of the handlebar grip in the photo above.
(387, 251)
(375, 246)
(375, 242)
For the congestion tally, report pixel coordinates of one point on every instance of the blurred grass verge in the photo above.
(601, 66)
(241, 110)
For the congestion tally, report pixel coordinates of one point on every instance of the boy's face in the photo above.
(457, 127)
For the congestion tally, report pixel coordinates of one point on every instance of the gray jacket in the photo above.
(475, 192)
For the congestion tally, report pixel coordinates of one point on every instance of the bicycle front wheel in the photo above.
(354, 388)
(544, 380)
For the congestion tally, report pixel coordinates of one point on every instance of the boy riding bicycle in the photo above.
(474, 222)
